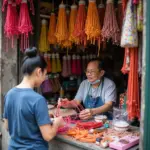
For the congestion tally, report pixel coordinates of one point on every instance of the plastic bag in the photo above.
(129, 36)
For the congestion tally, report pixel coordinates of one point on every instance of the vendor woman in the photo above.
(97, 92)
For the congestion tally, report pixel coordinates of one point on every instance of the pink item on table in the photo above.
(127, 142)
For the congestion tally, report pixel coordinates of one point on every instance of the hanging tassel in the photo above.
(133, 100)
(92, 26)
(43, 43)
(45, 87)
(52, 29)
(74, 65)
(69, 65)
(79, 29)
(101, 10)
(110, 28)
(11, 23)
(54, 67)
(49, 66)
(83, 63)
(24, 26)
(73, 15)
(78, 62)
(65, 67)
(126, 64)
(61, 28)
(58, 64)
(135, 2)
(120, 14)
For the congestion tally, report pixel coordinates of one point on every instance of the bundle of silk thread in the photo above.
(46, 88)
(74, 65)
(69, 65)
(110, 28)
(101, 10)
(24, 25)
(79, 29)
(54, 67)
(79, 71)
(61, 27)
(72, 20)
(11, 24)
(120, 14)
(65, 67)
(52, 29)
(43, 43)
(58, 64)
(92, 25)
(49, 65)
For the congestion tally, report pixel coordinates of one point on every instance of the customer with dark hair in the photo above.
(96, 92)
(26, 113)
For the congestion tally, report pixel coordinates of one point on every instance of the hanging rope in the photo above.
(92, 26)
(110, 28)
(79, 29)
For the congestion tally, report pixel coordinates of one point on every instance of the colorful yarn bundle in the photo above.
(52, 29)
(110, 28)
(43, 43)
(67, 119)
(74, 65)
(124, 5)
(126, 64)
(58, 64)
(92, 25)
(54, 67)
(49, 66)
(65, 67)
(101, 10)
(69, 65)
(135, 2)
(24, 25)
(79, 31)
(72, 21)
(11, 23)
(120, 14)
(61, 28)
(45, 87)
(78, 62)
(57, 83)
(133, 100)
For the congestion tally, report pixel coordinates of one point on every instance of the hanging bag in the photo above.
(129, 36)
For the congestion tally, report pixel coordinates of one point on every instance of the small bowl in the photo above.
(100, 118)
(121, 126)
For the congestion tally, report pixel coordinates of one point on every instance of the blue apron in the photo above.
(91, 102)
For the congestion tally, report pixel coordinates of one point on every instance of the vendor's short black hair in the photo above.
(100, 63)
(32, 61)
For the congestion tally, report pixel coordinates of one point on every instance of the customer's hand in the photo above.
(85, 114)
(59, 121)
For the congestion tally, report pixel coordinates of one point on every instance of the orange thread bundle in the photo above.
(92, 26)
(133, 102)
(52, 29)
(61, 28)
(72, 20)
(79, 29)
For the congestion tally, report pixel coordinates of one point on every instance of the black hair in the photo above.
(100, 63)
(31, 61)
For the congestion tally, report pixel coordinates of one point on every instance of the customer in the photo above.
(26, 112)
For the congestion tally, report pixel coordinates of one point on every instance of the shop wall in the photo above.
(8, 77)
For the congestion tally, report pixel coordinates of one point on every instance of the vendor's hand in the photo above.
(64, 100)
(59, 121)
(85, 114)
